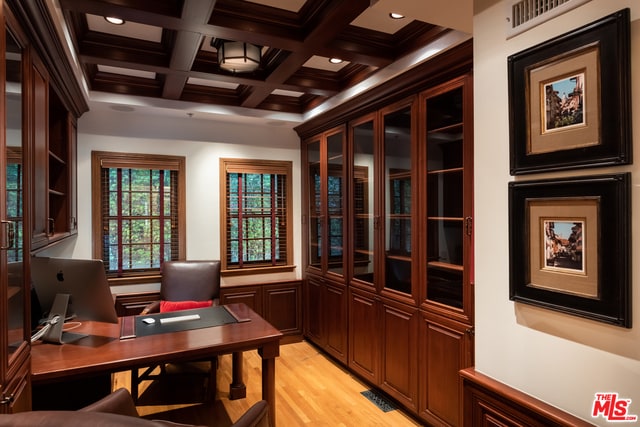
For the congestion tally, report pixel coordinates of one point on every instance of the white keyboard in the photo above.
(179, 318)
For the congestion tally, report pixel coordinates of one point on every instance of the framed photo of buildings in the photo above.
(569, 99)
(569, 246)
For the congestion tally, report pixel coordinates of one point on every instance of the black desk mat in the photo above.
(209, 316)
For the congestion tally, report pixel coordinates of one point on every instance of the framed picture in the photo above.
(569, 99)
(569, 246)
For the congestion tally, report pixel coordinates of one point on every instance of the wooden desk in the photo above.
(103, 351)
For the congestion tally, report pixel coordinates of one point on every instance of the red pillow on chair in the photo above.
(166, 306)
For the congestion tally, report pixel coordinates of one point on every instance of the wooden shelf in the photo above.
(447, 130)
(442, 171)
(445, 265)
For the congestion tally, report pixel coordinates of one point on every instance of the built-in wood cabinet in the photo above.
(53, 149)
(15, 385)
(40, 100)
(37, 144)
(325, 241)
(446, 346)
(325, 315)
(280, 303)
(447, 172)
(408, 227)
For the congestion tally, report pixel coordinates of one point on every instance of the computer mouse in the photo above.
(149, 320)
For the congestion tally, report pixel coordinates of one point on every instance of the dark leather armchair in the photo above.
(117, 410)
(188, 283)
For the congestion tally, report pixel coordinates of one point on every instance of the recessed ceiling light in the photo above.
(394, 15)
(335, 60)
(113, 20)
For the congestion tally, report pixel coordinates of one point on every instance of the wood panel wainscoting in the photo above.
(277, 302)
(490, 403)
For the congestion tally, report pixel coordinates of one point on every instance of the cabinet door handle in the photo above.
(7, 399)
(9, 228)
(468, 224)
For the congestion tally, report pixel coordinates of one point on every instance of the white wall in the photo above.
(203, 143)
(560, 359)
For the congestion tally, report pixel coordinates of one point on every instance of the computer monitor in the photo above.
(66, 287)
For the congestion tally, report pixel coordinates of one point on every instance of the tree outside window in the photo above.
(14, 192)
(138, 213)
(256, 216)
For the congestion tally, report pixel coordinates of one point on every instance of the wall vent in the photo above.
(525, 14)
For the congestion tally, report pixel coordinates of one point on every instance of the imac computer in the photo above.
(70, 288)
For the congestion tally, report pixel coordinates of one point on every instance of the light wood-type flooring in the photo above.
(311, 390)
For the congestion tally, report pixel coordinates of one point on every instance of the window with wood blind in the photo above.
(256, 216)
(138, 213)
(14, 192)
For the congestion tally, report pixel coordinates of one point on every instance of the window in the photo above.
(256, 216)
(14, 192)
(139, 213)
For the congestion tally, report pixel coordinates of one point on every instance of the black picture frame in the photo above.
(596, 55)
(544, 269)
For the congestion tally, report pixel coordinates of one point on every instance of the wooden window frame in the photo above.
(260, 167)
(102, 159)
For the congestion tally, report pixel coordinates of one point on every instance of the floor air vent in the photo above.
(525, 14)
(378, 400)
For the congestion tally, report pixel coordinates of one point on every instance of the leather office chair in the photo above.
(184, 285)
(117, 410)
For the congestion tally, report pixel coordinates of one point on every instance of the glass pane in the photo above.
(14, 195)
(445, 189)
(138, 200)
(398, 201)
(444, 149)
(363, 249)
(444, 286)
(444, 110)
(444, 194)
(444, 242)
(315, 204)
(335, 202)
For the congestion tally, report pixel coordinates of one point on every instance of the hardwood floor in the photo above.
(311, 390)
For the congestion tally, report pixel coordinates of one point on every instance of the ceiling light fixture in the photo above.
(113, 20)
(394, 15)
(335, 60)
(238, 57)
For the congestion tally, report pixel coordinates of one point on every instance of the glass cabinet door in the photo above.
(362, 228)
(326, 194)
(398, 199)
(314, 222)
(335, 202)
(12, 214)
(445, 198)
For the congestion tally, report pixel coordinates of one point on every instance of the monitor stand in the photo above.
(55, 334)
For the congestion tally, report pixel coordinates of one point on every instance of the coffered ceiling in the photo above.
(163, 56)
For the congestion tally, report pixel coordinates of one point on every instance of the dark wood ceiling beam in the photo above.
(261, 34)
(153, 14)
(337, 16)
(257, 24)
(186, 46)
(309, 84)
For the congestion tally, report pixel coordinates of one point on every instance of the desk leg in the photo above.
(269, 353)
(269, 387)
(237, 389)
